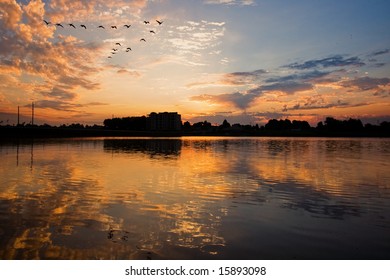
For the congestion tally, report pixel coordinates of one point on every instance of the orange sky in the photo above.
(246, 61)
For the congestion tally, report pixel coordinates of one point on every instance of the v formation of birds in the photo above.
(113, 50)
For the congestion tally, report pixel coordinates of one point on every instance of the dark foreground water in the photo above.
(195, 198)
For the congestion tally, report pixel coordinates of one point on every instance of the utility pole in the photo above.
(18, 116)
(32, 113)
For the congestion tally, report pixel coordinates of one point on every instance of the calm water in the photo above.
(195, 198)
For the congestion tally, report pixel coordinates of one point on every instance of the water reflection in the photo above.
(218, 198)
(151, 146)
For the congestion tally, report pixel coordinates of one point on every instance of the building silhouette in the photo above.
(165, 121)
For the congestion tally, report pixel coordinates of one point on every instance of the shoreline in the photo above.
(14, 132)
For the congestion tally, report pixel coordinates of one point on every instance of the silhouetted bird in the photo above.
(83, 26)
(143, 40)
(151, 31)
(146, 22)
(127, 25)
(128, 49)
(59, 24)
(114, 50)
(159, 22)
(109, 57)
(113, 27)
(119, 44)
(71, 24)
(101, 26)
(47, 22)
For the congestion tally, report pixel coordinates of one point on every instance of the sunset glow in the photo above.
(244, 61)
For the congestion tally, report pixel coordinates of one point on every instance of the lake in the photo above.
(195, 198)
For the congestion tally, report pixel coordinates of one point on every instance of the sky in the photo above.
(246, 61)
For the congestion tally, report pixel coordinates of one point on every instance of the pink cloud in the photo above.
(59, 10)
(10, 13)
(29, 48)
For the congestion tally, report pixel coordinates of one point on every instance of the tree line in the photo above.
(330, 126)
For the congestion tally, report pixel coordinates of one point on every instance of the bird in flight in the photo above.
(159, 22)
(71, 24)
(110, 56)
(59, 24)
(119, 44)
(113, 27)
(47, 22)
(128, 49)
(146, 22)
(83, 26)
(151, 31)
(143, 40)
(101, 26)
(127, 25)
(114, 50)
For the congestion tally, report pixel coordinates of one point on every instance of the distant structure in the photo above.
(165, 121)
(32, 113)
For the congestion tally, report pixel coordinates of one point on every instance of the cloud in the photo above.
(214, 23)
(379, 64)
(55, 105)
(338, 104)
(381, 52)
(299, 106)
(242, 78)
(230, 79)
(197, 35)
(237, 99)
(333, 61)
(134, 74)
(367, 83)
(230, 2)
(95, 104)
(60, 105)
(10, 13)
(54, 65)
(61, 10)
(193, 40)
(374, 119)
(59, 93)
(288, 87)
(259, 83)
(308, 76)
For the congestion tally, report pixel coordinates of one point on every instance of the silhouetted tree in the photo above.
(320, 126)
(279, 125)
(300, 125)
(350, 125)
(333, 124)
(76, 126)
(353, 125)
(225, 124)
(206, 125)
(187, 125)
(128, 123)
(385, 126)
(202, 125)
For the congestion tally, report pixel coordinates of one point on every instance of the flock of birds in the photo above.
(115, 49)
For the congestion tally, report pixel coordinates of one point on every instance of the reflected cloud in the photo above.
(122, 198)
(73, 212)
